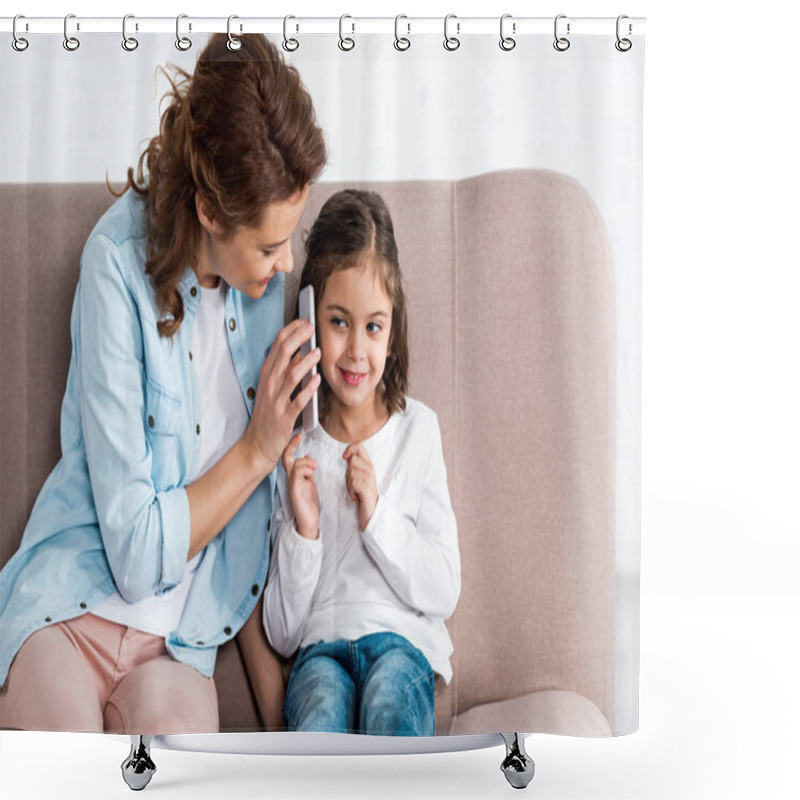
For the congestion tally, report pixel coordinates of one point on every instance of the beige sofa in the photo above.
(512, 336)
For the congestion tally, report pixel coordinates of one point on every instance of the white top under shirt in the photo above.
(223, 420)
(402, 575)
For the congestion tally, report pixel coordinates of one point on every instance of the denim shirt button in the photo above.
(198, 430)
(269, 525)
(193, 291)
(48, 619)
(232, 325)
(83, 605)
(190, 355)
(200, 643)
(150, 421)
(228, 631)
(254, 590)
(251, 392)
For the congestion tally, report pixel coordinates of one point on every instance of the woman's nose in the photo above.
(285, 260)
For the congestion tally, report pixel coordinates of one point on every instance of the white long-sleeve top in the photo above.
(402, 575)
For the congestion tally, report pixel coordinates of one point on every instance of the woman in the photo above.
(148, 545)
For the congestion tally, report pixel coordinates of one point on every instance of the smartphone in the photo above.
(306, 308)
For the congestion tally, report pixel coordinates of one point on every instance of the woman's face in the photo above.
(249, 259)
(354, 317)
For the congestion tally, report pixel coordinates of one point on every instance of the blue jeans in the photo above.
(379, 684)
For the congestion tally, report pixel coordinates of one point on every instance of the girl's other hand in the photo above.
(274, 412)
(302, 490)
(361, 483)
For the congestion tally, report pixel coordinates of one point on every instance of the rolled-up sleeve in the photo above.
(145, 533)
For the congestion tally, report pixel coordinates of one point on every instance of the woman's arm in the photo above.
(147, 535)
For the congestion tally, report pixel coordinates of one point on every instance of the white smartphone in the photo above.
(305, 303)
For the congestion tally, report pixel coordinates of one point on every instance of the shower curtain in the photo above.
(510, 163)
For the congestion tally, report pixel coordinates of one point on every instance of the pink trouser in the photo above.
(89, 674)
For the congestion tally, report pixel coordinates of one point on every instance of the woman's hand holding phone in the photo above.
(274, 412)
(302, 490)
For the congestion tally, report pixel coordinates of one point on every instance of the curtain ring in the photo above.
(451, 43)
(234, 44)
(289, 44)
(401, 43)
(345, 43)
(71, 43)
(561, 43)
(183, 43)
(623, 45)
(128, 42)
(18, 43)
(507, 42)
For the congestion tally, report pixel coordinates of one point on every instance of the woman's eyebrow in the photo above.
(273, 246)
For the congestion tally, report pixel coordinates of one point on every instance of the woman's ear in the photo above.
(205, 216)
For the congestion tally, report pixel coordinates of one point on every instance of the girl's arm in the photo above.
(294, 569)
(412, 534)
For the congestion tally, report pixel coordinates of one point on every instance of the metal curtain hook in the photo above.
(71, 43)
(290, 45)
(401, 43)
(182, 42)
(623, 45)
(233, 43)
(128, 42)
(451, 42)
(18, 43)
(345, 43)
(507, 42)
(561, 43)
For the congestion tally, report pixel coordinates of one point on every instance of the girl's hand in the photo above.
(302, 490)
(274, 412)
(361, 484)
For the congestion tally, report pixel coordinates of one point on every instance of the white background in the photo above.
(720, 608)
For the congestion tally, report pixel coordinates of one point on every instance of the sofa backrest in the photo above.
(510, 290)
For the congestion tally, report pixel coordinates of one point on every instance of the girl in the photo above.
(365, 566)
(147, 547)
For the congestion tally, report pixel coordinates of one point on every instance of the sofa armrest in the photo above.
(264, 670)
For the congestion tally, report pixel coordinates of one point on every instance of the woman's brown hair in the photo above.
(351, 225)
(241, 131)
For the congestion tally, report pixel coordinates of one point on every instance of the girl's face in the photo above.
(249, 259)
(354, 317)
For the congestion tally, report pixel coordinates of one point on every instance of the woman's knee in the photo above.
(50, 687)
(163, 696)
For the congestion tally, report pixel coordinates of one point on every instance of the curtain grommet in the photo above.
(507, 43)
(561, 43)
(128, 42)
(234, 44)
(183, 43)
(346, 43)
(401, 43)
(451, 43)
(19, 43)
(71, 43)
(623, 44)
(290, 44)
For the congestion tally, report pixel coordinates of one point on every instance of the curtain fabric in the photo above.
(513, 180)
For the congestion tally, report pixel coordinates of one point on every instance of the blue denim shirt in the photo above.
(113, 514)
